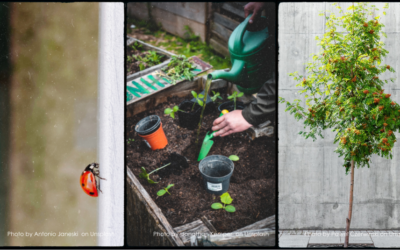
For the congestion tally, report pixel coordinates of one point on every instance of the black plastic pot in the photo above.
(216, 171)
(189, 120)
(148, 125)
(230, 106)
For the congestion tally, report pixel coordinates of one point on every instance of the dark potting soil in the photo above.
(132, 66)
(252, 185)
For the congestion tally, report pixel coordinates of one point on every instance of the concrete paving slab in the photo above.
(293, 241)
(356, 239)
(386, 241)
(328, 239)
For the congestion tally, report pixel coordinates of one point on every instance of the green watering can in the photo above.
(251, 56)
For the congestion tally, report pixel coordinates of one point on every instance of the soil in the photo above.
(252, 185)
(133, 65)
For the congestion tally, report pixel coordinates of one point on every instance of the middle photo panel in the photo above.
(200, 124)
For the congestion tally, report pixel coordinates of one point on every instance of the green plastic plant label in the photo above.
(214, 186)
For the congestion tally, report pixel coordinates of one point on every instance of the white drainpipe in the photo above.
(111, 104)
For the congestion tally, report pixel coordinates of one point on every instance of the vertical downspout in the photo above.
(5, 107)
(111, 124)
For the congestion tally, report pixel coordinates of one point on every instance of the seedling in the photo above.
(226, 200)
(145, 175)
(165, 190)
(136, 46)
(215, 96)
(197, 97)
(234, 158)
(234, 96)
(130, 140)
(177, 68)
(171, 112)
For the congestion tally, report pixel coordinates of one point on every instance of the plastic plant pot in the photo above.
(230, 106)
(216, 171)
(150, 129)
(189, 120)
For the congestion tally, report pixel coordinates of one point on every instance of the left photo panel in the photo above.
(61, 124)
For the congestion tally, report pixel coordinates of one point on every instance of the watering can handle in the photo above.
(240, 34)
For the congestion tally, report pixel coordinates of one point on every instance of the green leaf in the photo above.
(201, 96)
(226, 198)
(216, 205)
(194, 94)
(230, 97)
(230, 209)
(240, 94)
(176, 108)
(200, 102)
(169, 186)
(167, 111)
(143, 174)
(161, 192)
(172, 115)
(234, 158)
(151, 181)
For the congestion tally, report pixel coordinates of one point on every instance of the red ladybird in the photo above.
(89, 181)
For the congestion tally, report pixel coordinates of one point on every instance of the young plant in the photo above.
(233, 158)
(226, 200)
(198, 99)
(344, 91)
(130, 140)
(215, 96)
(164, 190)
(177, 69)
(171, 112)
(234, 96)
(137, 46)
(145, 175)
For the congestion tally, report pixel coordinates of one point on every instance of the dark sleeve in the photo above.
(261, 109)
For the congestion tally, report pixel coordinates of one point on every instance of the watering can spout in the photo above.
(236, 74)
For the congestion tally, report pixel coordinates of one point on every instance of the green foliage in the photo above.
(150, 59)
(130, 140)
(171, 112)
(178, 68)
(226, 200)
(198, 99)
(215, 96)
(164, 190)
(137, 46)
(234, 96)
(343, 90)
(145, 175)
(234, 158)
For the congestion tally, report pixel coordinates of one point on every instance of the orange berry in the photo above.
(385, 124)
(376, 100)
(388, 66)
(380, 108)
(392, 103)
(390, 132)
(371, 31)
(365, 24)
(375, 77)
(374, 49)
(366, 91)
(387, 95)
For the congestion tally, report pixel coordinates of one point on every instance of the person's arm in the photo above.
(261, 109)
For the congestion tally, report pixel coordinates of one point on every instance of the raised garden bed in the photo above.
(252, 184)
(132, 68)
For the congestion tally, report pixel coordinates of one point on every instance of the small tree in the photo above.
(344, 91)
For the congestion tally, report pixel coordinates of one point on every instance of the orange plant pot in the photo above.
(156, 140)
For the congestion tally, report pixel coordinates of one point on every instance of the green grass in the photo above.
(189, 46)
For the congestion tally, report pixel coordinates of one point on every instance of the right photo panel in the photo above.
(339, 117)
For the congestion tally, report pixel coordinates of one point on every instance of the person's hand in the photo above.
(230, 123)
(253, 7)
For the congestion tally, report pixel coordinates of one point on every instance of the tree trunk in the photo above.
(348, 220)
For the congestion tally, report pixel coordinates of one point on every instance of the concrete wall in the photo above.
(313, 187)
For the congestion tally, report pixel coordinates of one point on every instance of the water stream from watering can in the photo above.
(207, 87)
